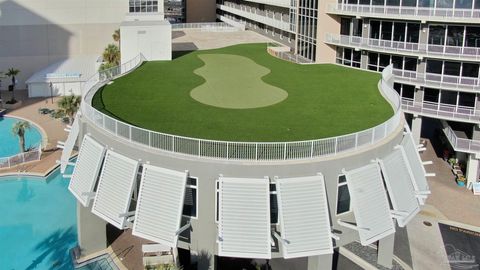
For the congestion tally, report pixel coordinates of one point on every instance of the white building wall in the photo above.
(36, 33)
(151, 38)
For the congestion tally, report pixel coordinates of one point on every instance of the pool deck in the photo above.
(53, 128)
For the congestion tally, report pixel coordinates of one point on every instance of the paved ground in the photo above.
(462, 246)
(195, 39)
(453, 202)
(53, 128)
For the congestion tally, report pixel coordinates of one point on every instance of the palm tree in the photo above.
(111, 54)
(116, 37)
(12, 72)
(69, 106)
(19, 129)
(1, 77)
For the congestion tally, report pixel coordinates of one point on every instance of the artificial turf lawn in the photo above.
(323, 100)
(239, 86)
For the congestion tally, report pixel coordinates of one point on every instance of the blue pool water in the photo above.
(9, 142)
(38, 224)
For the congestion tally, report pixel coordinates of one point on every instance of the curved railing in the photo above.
(32, 155)
(244, 150)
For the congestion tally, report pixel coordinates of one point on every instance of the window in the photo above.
(408, 91)
(374, 29)
(348, 57)
(452, 68)
(399, 31)
(191, 200)
(455, 35)
(343, 196)
(436, 35)
(273, 204)
(431, 95)
(142, 6)
(470, 70)
(448, 97)
(434, 66)
(472, 36)
(466, 99)
(345, 26)
(413, 32)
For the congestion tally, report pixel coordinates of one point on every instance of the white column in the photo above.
(322, 262)
(472, 170)
(385, 251)
(92, 231)
(416, 128)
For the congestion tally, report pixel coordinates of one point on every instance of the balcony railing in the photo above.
(437, 80)
(461, 144)
(422, 49)
(418, 13)
(229, 150)
(33, 155)
(440, 110)
(278, 3)
(211, 26)
(257, 15)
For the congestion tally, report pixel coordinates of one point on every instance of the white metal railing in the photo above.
(257, 15)
(461, 144)
(279, 3)
(32, 155)
(440, 110)
(468, 53)
(438, 80)
(431, 13)
(287, 55)
(247, 150)
(210, 26)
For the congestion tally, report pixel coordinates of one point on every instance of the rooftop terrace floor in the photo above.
(242, 93)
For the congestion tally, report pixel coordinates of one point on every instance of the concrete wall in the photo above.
(326, 24)
(151, 38)
(201, 11)
(203, 233)
(37, 33)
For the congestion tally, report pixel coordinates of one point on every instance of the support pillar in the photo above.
(205, 261)
(321, 262)
(472, 170)
(416, 128)
(92, 231)
(385, 251)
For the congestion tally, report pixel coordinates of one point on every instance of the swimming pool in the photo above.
(9, 142)
(38, 225)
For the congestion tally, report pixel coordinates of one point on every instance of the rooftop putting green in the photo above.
(323, 100)
(234, 82)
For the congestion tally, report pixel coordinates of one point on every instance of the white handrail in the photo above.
(457, 52)
(461, 144)
(440, 110)
(425, 12)
(439, 80)
(231, 150)
(32, 155)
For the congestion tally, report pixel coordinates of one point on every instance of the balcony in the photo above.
(277, 3)
(441, 111)
(459, 144)
(406, 48)
(407, 13)
(448, 82)
(276, 20)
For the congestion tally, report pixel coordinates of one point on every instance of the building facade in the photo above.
(434, 47)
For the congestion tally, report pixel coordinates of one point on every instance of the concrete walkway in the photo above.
(195, 39)
(453, 202)
(52, 128)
